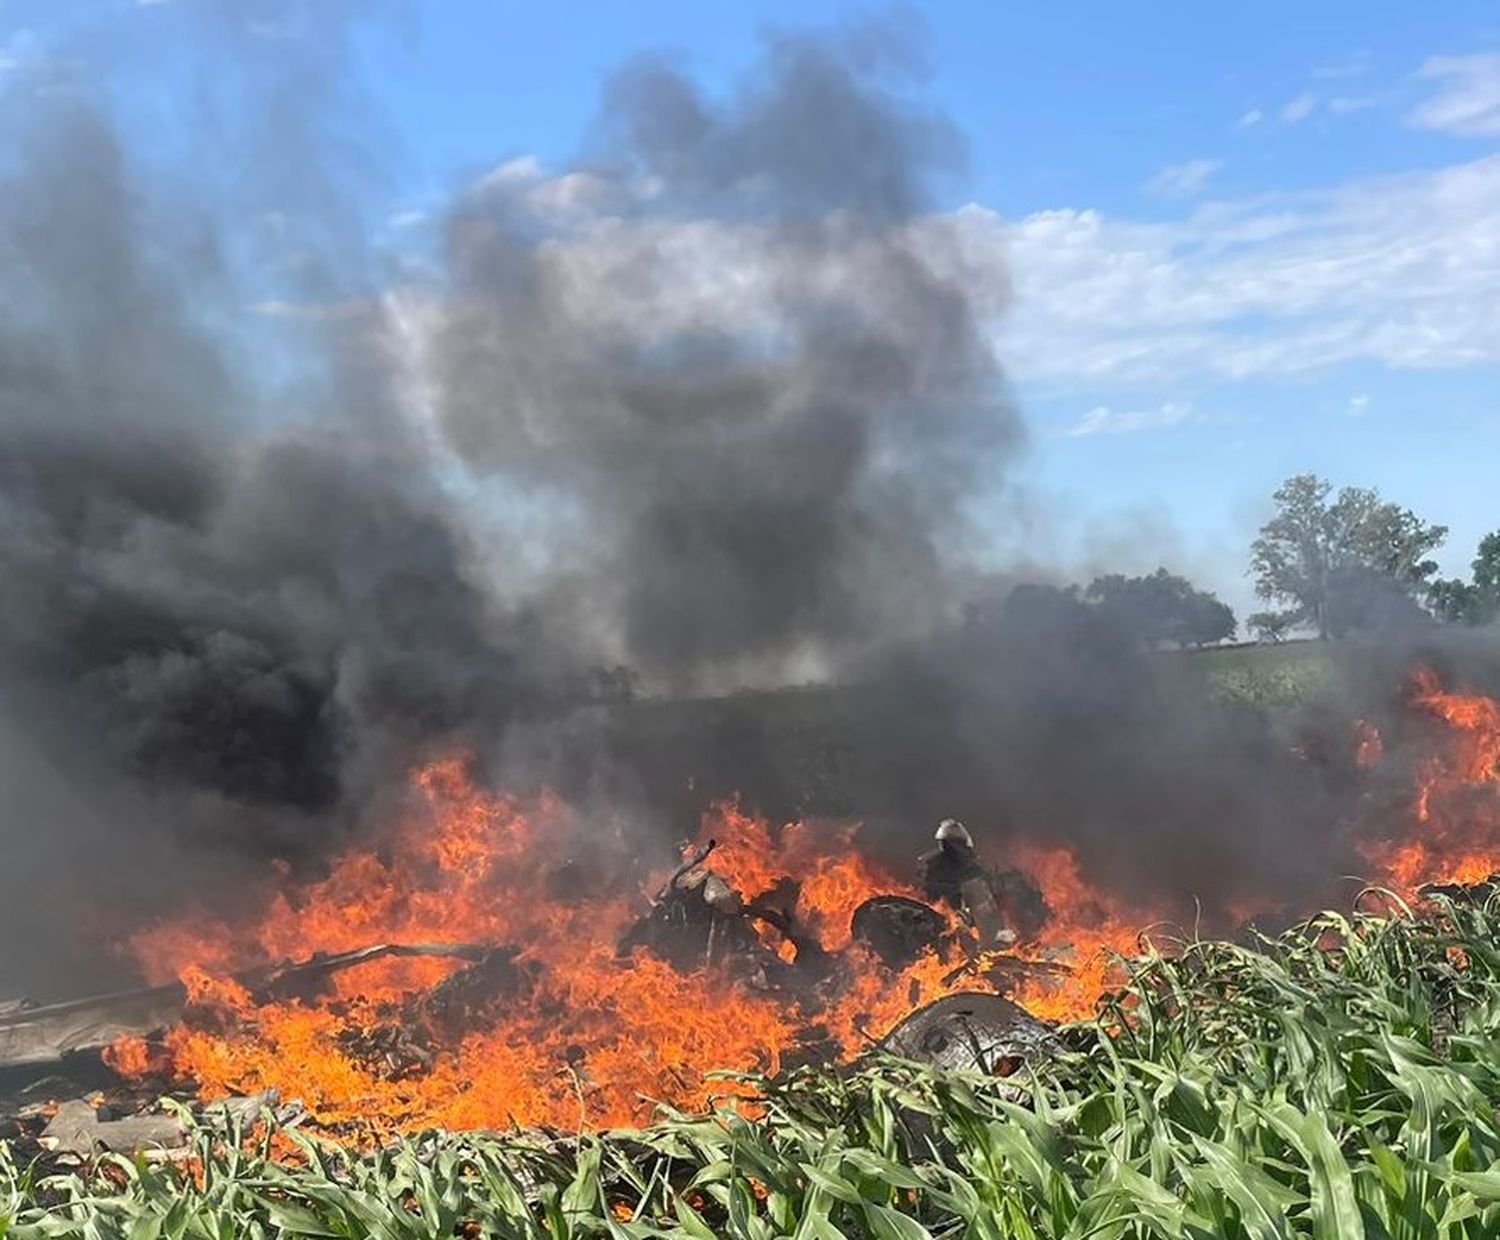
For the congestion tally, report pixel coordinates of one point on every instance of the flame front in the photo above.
(595, 1039)
(1452, 833)
(592, 1036)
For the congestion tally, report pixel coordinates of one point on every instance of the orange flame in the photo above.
(130, 1056)
(589, 1039)
(1455, 809)
(584, 1035)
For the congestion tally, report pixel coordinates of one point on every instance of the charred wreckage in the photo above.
(60, 1093)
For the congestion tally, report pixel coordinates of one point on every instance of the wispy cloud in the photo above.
(1250, 119)
(1395, 271)
(1399, 271)
(520, 170)
(1102, 420)
(1183, 180)
(20, 47)
(1358, 404)
(1297, 110)
(1467, 100)
(314, 311)
(1356, 64)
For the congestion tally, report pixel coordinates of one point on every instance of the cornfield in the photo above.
(1337, 1081)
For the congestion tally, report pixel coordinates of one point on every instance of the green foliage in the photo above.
(1268, 677)
(1272, 626)
(1340, 564)
(1336, 1082)
(1161, 608)
(1476, 601)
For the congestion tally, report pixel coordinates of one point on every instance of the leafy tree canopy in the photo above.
(1161, 607)
(1476, 601)
(1342, 562)
(1271, 626)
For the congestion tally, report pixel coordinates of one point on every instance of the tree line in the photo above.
(1158, 609)
(1330, 562)
(1337, 563)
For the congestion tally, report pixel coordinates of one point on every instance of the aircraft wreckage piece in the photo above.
(897, 929)
(33, 1036)
(972, 1031)
(77, 1129)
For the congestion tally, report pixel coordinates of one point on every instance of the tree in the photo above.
(1272, 626)
(1209, 619)
(1476, 601)
(1160, 608)
(1344, 564)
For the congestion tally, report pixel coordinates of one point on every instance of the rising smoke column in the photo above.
(726, 348)
(719, 395)
(234, 611)
(237, 607)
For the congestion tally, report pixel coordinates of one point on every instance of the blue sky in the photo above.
(1242, 240)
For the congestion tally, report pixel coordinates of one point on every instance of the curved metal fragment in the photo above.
(972, 1031)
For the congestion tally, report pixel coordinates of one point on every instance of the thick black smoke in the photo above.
(217, 637)
(1033, 717)
(282, 514)
(726, 347)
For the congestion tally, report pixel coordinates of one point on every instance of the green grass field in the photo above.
(1337, 1082)
(1266, 675)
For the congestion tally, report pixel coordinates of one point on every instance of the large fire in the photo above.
(1452, 832)
(588, 1034)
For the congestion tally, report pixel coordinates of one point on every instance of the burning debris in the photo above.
(37, 1035)
(566, 1002)
(898, 929)
(762, 949)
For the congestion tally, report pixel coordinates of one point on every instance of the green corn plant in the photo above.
(1339, 1080)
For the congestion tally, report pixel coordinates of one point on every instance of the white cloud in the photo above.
(1183, 180)
(1250, 119)
(1346, 105)
(567, 198)
(573, 193)
(1299, 109)
(1102, 420)
(1398, 271)
(1357, 64)
(512, 172)
(313, 311)
(1467, 101)
(1358, 404)
(19, 48)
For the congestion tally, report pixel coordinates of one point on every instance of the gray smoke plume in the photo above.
(725, 347)
(237, 608)
(217, 636)
(714, 404)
